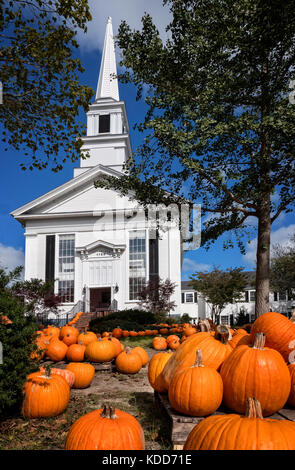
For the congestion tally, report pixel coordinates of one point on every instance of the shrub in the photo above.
(132, 319)
(99, 325)
(16, 340)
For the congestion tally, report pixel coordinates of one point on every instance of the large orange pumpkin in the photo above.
(236, 432)
(128, 362)
(56, 350)
(101, 351)
(45, 395)
(156, 366)
(106, 429)
(255, 371)
(196, 390)
(84, 374)
(86, 338)
(279, 332)
(75, 352)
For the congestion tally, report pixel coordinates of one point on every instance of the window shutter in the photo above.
(195, 297)
(246, 296)
(154, 257)
(50, 258)
(182, 297)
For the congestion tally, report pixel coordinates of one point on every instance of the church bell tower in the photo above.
(107, 142)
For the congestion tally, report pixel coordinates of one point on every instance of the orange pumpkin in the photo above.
(159, 343)
(117, 332)
(100, 351)
(56, 350)
(196, 390)
(86, 338)
(128, 362)
(45, 395)
(75, 352)
(279, 332)
(156, 366)
(84, 374)
(255, 372)
(106, 429)
(236, 432)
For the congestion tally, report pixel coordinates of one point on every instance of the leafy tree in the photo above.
(283, 268)
(155, 297)
(40, 77)
(220, 123)
(220, 288)
(38, 295)
(16, 344)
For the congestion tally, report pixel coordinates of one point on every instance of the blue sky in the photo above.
(18, 187)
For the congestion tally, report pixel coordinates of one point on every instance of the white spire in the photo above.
(107, 86)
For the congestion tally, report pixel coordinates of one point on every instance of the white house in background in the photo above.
(96, 245)
(197, 308)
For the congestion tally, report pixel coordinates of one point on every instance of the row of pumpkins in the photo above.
(57, 344)
(253, 374)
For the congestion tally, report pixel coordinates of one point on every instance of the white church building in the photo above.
(95, 244)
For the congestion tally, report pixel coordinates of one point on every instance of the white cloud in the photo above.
(281, 236)
(129, 10)
(192, 266)
(11, 257)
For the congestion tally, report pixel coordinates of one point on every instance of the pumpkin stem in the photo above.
(254, 409)
(108, 412)
(259, 341)
(113, 413)
(48, 370)
(199, 360)
(128, 349)
(204, 325)
(222, 333)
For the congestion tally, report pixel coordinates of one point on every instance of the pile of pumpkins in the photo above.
(67, 343)
(252, 374)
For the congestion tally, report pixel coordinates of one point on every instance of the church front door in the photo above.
(100, 298)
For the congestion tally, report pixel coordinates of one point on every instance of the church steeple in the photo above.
(107, 85)
(107, 142)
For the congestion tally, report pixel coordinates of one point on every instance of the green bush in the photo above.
(132, 319)
(16, 345)
(99, 325)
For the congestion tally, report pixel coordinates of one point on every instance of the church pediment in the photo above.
(100, 249)
(76, 197)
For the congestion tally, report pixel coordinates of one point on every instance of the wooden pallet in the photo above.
(182, 425)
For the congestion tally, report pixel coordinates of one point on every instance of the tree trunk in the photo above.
(263, 259)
